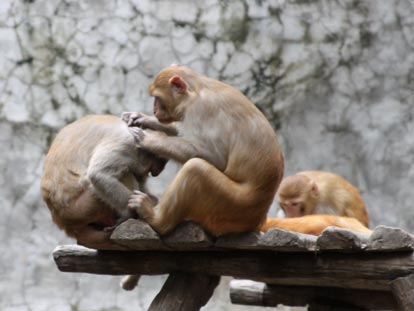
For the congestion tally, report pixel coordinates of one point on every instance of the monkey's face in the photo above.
(169, 90)
(161, 111)
(148, 163)
(294, 207)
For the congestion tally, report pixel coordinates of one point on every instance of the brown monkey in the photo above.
(320, 192)
(314, 224)
(222, 136)
(90, 171)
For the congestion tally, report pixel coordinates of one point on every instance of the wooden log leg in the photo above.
(403, 290)
(184, 292)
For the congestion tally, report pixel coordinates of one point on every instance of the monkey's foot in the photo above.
(142, 204)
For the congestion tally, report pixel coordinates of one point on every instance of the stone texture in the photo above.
(336, 79)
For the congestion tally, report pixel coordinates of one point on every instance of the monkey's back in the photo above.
(341, 191)
(68, 158)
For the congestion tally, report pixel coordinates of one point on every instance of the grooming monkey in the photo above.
(320, 192)
(91, 170)
(222, 184)
(221, 135)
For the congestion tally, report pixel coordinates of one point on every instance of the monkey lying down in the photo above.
(91, 170)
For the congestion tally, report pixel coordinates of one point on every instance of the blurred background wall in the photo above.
(335, 78)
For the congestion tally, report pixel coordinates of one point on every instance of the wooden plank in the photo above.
(184, 292)
(188, 236)
(328, 281)
(339, 239)
(109, 245)
(371, 270)
(246, 241)
(250, 293)
(403, 290)
(137, 234)
(247, 292)
(390, 239)
(283, 240)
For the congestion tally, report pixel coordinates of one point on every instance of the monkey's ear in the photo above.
(314, 190)
(178, 84)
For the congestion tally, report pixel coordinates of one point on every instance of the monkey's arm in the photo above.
(108, 188)
(148, 122)
(176, 148)
(169, 147)
(106, 168)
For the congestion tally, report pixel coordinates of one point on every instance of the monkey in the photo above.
(221, 135)
(90, 172)
(320, 192)
(314, 224)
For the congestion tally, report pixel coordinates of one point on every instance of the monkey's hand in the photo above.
(146, 122)
(141, 120)
(129, 117)
(142, 204)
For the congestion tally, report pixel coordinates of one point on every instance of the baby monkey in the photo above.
(320, 192)
(91, 170)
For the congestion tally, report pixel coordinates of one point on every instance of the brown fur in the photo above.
(90, 171)
(315, 191)
(232, 160)
(314, 224)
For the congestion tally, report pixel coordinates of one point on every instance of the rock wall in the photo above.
(335, 78)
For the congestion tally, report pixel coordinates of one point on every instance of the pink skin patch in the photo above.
(107, 221)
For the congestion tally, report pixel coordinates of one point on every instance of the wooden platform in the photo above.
(339, 270)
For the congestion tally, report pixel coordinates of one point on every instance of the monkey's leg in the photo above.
(202, 193)
(89, 237)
